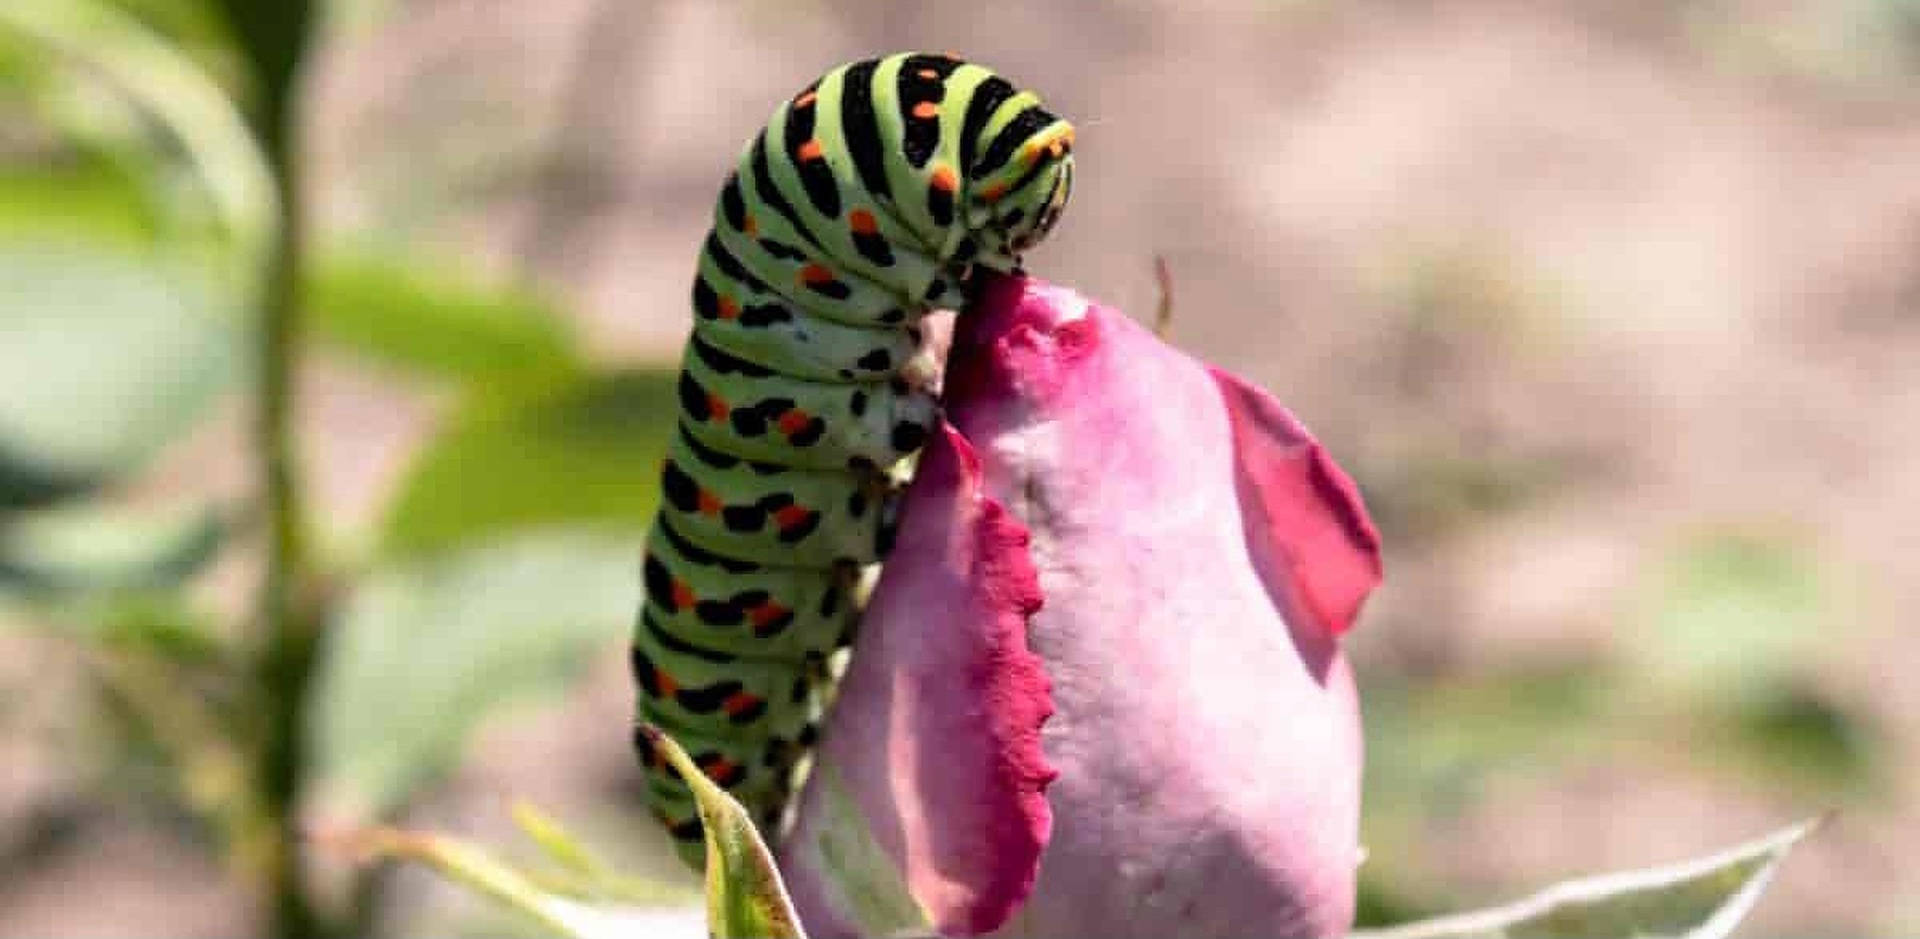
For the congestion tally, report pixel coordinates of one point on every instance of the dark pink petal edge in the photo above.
(937, 737)
(1009, 682)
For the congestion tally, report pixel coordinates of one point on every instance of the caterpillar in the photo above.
(871, 197)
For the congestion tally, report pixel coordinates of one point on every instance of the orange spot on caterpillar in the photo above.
(993, 191)
(815, 274)
(790, 516)
(751, 226)
(716, 408)
(710, 504)
(811, 151)
(862, 222)
(929, 73)
(926, 110)
(1056, 147)
(943, 178)
(766, 614)
(806, 99)
(683, 597)
(739, 703)
(721, 770)
(793, 422)
(663, 681)
(728, 308)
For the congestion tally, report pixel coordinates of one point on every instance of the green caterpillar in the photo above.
(865, 203)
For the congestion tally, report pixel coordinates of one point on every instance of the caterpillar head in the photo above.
(1025, 197)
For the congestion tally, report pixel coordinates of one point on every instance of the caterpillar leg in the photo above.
(744, 736)
(673, 803)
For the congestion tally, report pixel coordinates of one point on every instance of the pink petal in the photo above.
(938, 743)
(1306, 528)
(1198, 554)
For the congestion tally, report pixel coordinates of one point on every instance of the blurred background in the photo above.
(1612, 308)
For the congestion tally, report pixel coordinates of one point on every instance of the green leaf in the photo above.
(149, 152)
(424, 652)
(79, 199)
(582, 874)
(355, 18)
(103, 360)
(1432, 745)
(587, 450)
(556, 843)
(1737, 614)
(415, 315)
(162, 627)
(90, 548)
(1702, 899)
(1796, 737)
(179, 96)
(476, 869)
(745, 896)
(187, 23)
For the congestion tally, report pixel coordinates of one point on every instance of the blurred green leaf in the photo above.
(81, 199)
(170, 730)
(95, 155)
(178, 95)
(582, 875)
(1418, 493)
(103, 360)
(23, 69)
(415, 315)
(587, 450)
(1382, 898)
(1430, 744)
(1703, 899)
(1794, 735)
(669, 916)
(745, 896)
(559, 845)
(475, 869)
(163, 627)
(90, 548)
(1736, 615)
(158, 627)
(1866, 48)
(1434, 747)
(354, 17)
(190, 24)
(423, 653)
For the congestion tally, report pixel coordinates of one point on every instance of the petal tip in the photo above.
(1306, 522)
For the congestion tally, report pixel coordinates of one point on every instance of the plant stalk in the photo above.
(292, 612)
